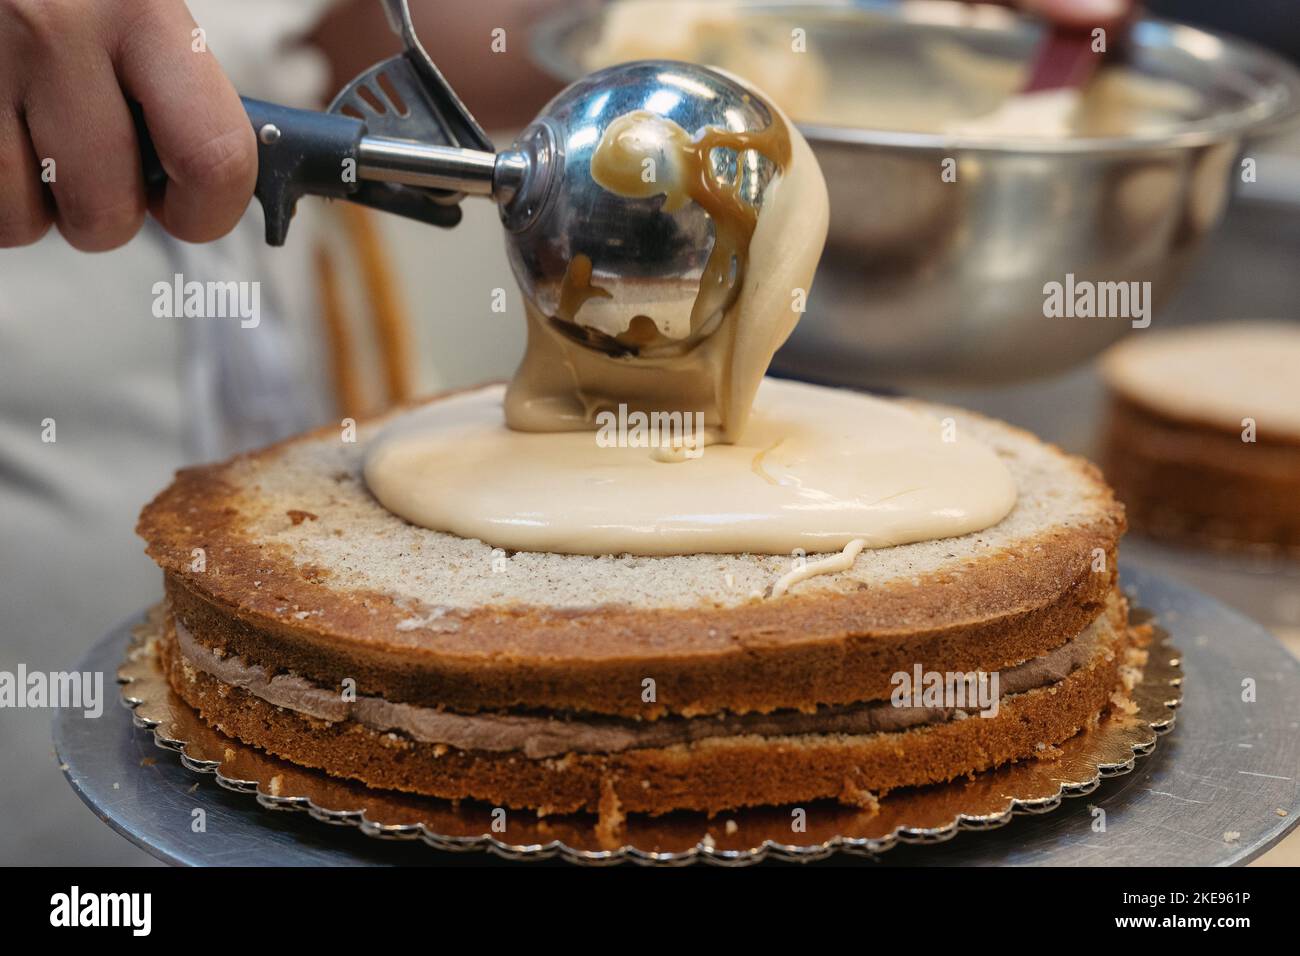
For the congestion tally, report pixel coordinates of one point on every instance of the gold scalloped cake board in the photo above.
(916, 815)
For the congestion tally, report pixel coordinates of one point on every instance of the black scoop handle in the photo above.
(299, 153)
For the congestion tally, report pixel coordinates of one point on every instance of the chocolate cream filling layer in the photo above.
(545, 735)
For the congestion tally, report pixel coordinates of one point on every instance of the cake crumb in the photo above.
(731, 827)
(854, 795)
(1048, 751)
(610, 820)
(561, 764)
(1231, 836)
(276, 785)
(1123, 704)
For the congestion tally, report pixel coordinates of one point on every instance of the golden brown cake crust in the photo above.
(712, 775)
(997, 608)
(754, 676)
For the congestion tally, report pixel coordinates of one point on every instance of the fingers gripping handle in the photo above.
(299, 153)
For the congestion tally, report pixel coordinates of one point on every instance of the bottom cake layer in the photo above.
(713, 774)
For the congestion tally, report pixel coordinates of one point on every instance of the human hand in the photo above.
(68, 148)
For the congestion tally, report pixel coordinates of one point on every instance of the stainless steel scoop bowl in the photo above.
(646, 259)
(944, 281)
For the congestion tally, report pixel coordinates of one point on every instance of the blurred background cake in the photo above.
(1202, 437)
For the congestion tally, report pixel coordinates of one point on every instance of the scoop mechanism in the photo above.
(399, 139)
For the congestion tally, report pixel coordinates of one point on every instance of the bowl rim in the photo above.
(1263, 117)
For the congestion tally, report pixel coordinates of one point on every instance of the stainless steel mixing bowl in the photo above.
(944, 281)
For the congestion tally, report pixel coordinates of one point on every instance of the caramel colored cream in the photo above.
(815, 469)
(617, 165)
(643, 437)
(582, 361)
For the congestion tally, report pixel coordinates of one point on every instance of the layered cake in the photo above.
(327, 631)
(642, 577)
(1202, 439)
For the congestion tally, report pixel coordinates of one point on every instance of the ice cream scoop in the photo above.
(399, 139)
(643, 188)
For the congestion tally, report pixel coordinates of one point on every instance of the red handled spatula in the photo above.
(1063, 65)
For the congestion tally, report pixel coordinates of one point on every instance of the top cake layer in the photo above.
(301, 568)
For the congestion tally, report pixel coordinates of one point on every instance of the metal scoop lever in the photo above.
(398, 131)
(407, 98)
